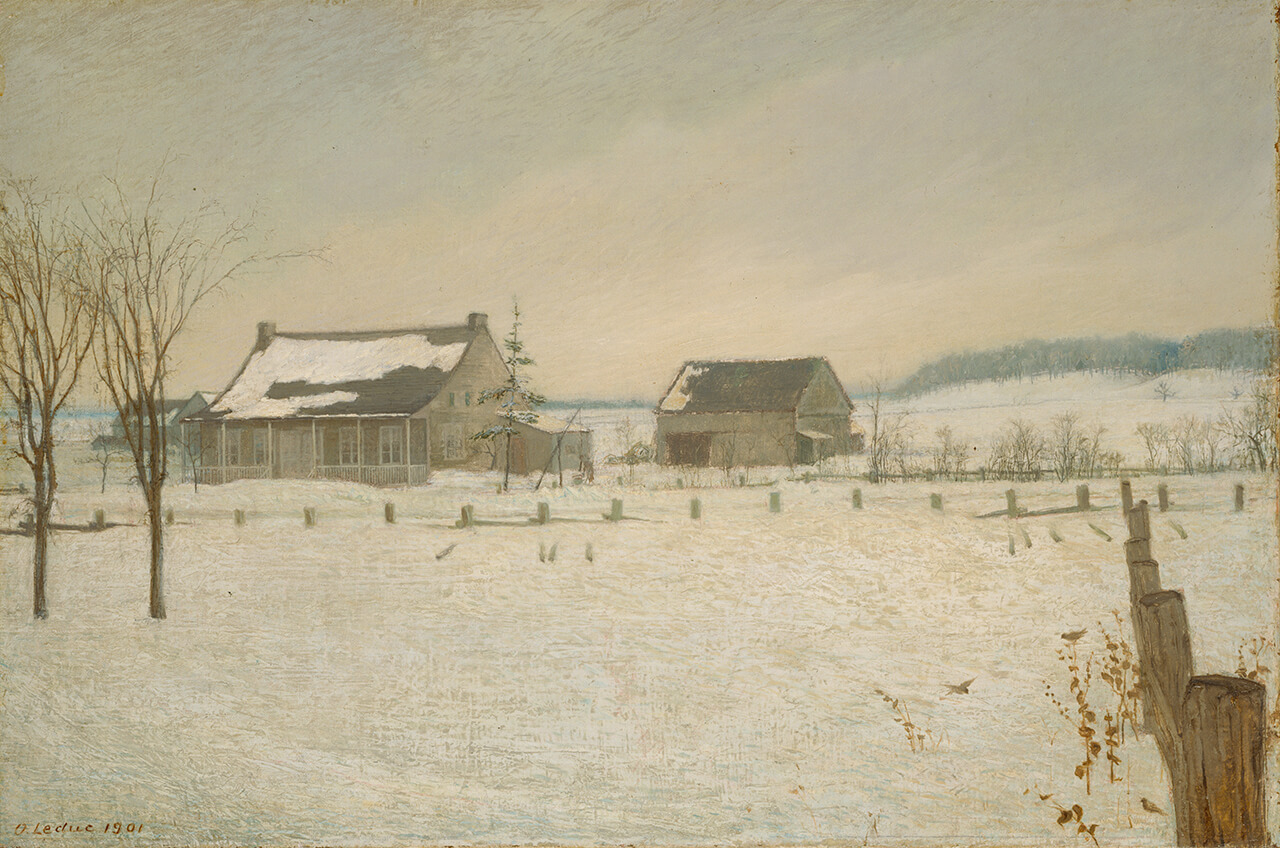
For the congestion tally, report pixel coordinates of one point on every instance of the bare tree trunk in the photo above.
(41, 508)
(154, 519)
(506, 468)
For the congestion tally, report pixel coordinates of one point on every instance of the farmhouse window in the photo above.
(259, 447)
(348, 446)
(391, 445)
(466, 399)
(452, 434)
(233, 447)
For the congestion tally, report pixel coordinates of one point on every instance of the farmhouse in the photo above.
(382, 408)
(754, 412)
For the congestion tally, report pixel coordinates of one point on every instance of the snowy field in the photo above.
(688, 682)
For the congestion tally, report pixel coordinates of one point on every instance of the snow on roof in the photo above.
(678, 397)
(393, 374)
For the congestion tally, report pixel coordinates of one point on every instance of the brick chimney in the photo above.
(266, 329)
(478, 321)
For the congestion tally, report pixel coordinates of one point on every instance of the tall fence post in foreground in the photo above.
(1210, 729)
(1239, 497)
(1162, 497)
(1126, 499)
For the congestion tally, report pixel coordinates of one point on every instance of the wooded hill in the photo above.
(1251, 348)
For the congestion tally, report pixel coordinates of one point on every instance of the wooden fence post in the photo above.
(168, 516)
(468, 516)
(857, 499)
(615, 509)
(775, 501)
(1162, 497)
(1011, 500)
(1226, 730)
(389, 512)
(695, 508)
(935, 501)
(237, 517)
(1210, 729)
(1082, 497)
(1239, 497)
(99, 519)
(544, 513)
(309, 516)
(1126, 498)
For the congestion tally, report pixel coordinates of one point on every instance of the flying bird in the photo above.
(1151, 808)
(959, 688)
(1073, 636)
(446, 551)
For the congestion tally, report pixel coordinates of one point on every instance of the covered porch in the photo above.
(375, 451)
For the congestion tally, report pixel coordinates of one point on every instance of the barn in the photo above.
(754, 412)
(382, 408)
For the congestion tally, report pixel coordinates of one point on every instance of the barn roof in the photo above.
(304, 375)
(758, 385)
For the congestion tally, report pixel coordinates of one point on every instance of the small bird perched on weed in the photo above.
(1152, 808)
(1074, 635)
(959, 688)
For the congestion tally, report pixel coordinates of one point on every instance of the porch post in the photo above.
(359, 451)
(408, 466)
(222, 454)
(315, 451)
(271, 452)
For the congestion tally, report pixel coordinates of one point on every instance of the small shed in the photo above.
(549, 444)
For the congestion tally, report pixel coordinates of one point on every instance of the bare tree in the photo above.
(1068, 445)
(949, 454)
(46, 330)
(1164, 390)
(107, 451)
(1184, 439)
(1252, 428)
(1156, 439)
(156, 272)
(1018, 451)
(890, 435)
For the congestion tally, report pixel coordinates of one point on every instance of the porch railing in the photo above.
(371, 475)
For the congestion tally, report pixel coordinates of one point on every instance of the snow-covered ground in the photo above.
(688, 682)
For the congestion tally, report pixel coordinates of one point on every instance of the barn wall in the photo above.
(739, 438)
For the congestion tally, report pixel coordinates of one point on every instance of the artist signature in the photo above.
(64, 828)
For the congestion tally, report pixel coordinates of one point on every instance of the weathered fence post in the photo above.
(695, 508)
(389, 512)
(1082, 497)
(1011, 501)
(309, 516)
(168, 516)
(1210, 729)
(857, 499)
(1126, 498)
(544, 513)
(679, 482)
(935, 501)
(615, 509)
(1225, 721)
(468, 516)
(99, 519)
(775, 501)
(1162, 497)
(237, 517)
(1239, 497)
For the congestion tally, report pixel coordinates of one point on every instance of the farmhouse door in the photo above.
(689, 449)
(293, 461)
(519, 462)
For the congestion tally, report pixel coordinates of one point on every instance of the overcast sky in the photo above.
(879, 183)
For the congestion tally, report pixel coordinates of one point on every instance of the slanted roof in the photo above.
(305, 375)
(758, 385)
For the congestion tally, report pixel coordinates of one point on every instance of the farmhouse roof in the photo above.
(757, 385)
(305, 375)
(554, 426)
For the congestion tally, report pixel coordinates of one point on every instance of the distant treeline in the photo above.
(1238, 349)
